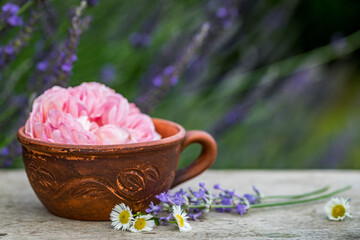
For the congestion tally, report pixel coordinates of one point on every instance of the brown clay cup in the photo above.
(85, 182)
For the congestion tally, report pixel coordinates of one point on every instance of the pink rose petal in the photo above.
(90, 113)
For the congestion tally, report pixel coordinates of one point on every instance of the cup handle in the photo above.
(203, 162)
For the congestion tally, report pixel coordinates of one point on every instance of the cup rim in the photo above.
(38, 144)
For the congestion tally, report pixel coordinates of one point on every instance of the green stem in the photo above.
(25, 7)
(261, 205)
(297, 196)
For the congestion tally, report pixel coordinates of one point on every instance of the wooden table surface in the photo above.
(23, 217)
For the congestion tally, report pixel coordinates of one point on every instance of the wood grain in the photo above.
(24, 217)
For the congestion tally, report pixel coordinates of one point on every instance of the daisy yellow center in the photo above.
(180, 220)
(140, 223)
(338, 211)
(124, 217)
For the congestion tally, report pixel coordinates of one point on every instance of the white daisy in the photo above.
(337, 209)
(181, 218)
(121, 217)
(143, 224)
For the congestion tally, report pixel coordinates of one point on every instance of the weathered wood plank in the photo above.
(23, 217)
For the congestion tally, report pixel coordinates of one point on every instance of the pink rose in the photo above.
(111, 134)
(91, 95)
(88, 114)
(141, 128)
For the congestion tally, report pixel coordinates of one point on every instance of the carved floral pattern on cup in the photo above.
(42, 178)
(130, 181)
(133, 180)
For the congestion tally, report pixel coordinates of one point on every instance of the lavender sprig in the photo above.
(202, 201)
(9, 153)
(67, 55)
(9, 52)
(176, 208)
(163, 82)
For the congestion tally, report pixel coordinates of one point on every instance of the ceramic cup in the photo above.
(85, 182)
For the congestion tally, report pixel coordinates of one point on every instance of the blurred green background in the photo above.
(277, 83)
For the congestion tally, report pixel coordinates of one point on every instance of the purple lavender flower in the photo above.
(140, 39)
(228, 192)
(257, 191)
(67, 55)
(42, 66)
(166, 219)
(157, 81)
(195, 216)
(174, 80)
(240, 209)
(4, 151)
(10, 8)
(227, 201)
(226, 13)
(92, 3)
(9, 50)
(165, 198)
(73, 58)
(66, 67)
(153, 95)
(202, 185)
(217, 186)
(169, 70)
(179, 199)
(233, 194)
(15, 21)
(108, 73)
(182, 192)
(7, 163)
(155, 209)
(251, 198)
(8, 53)
(9, 15)
(20, 100)
(221, 12)
(199, 194)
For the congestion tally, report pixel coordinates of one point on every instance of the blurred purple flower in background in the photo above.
(67, 55)
(108, 73)
(227, 14)
(42, 66)
(9, 52)
(92, 3)
(169, 77)
(140, 39)
(9, 15)
(143, 37)
(254, 58)
(4, 152)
